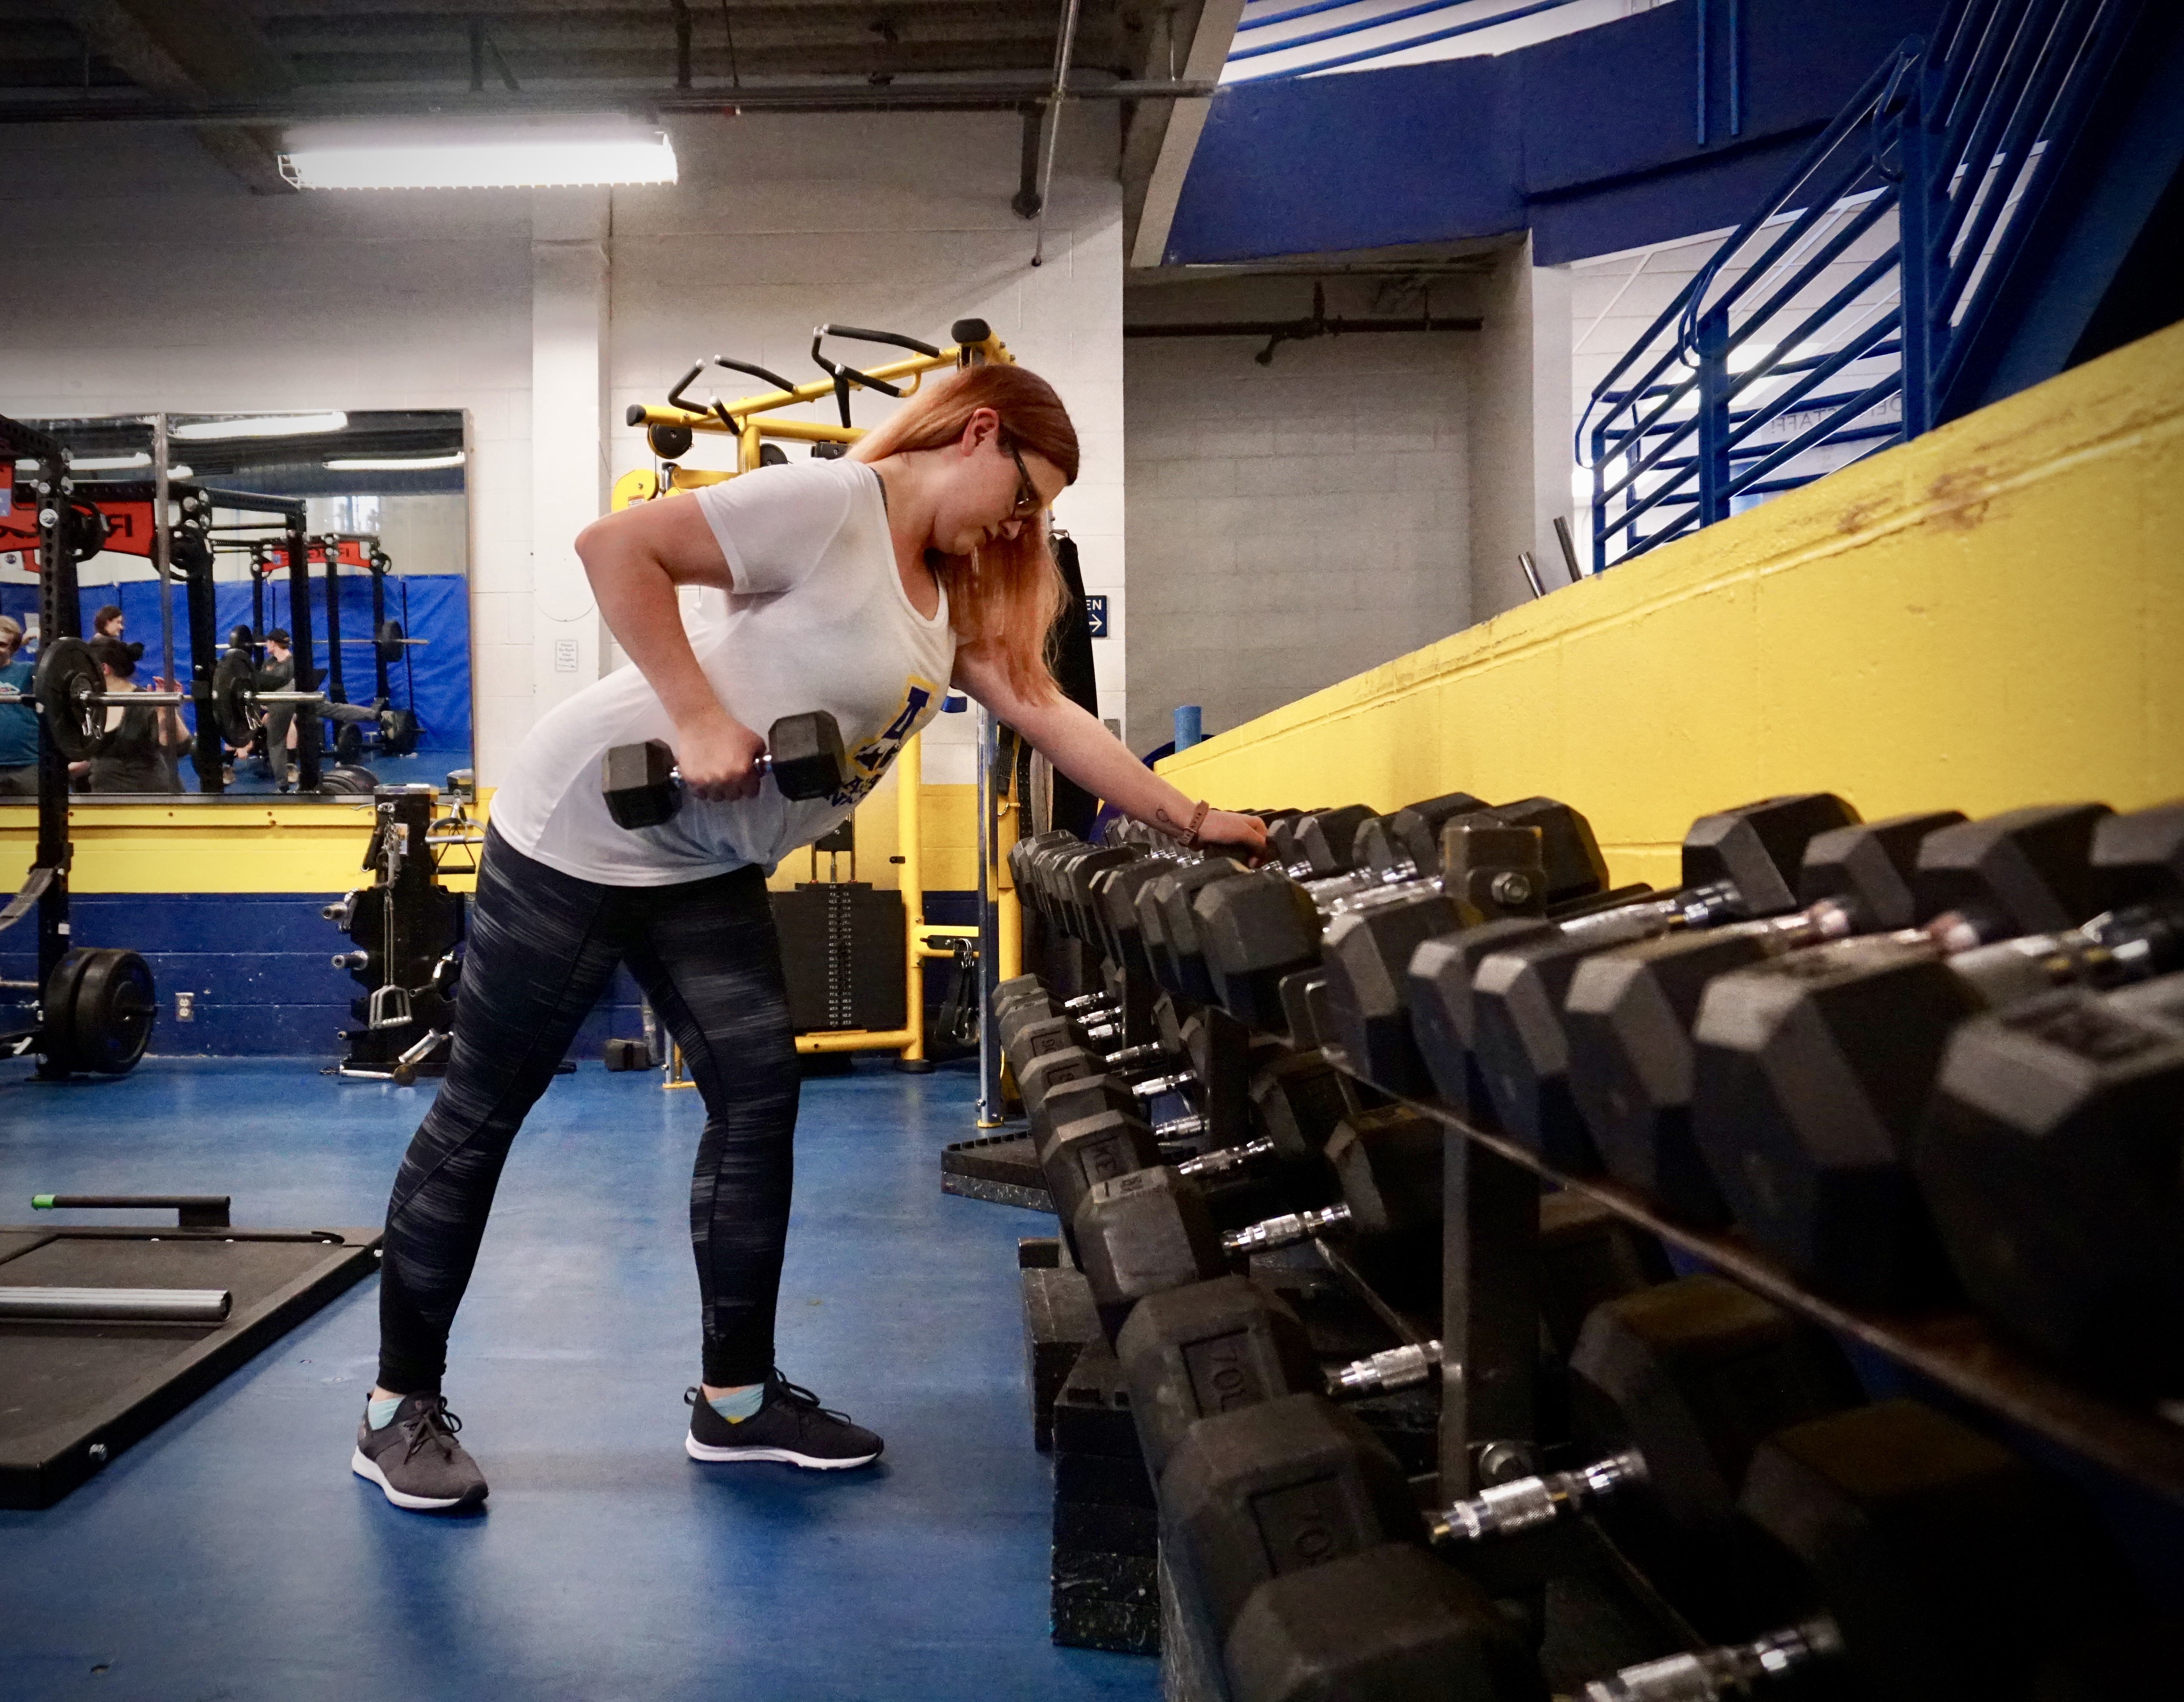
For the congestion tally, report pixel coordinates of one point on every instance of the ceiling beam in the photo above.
(1163, 134)
(649, 99)
(192, 51)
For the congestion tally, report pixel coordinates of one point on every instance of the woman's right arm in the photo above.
(635, 560)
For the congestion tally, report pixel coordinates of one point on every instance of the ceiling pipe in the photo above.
(1062, 57)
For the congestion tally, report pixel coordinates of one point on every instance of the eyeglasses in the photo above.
(1027, 503)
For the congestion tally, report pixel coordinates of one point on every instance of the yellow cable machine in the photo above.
(754, 422)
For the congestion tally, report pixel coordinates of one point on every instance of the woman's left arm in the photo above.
(1081, 748)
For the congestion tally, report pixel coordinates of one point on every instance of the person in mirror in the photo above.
(143, 741)
(108, 623)
(278, 673)
(868, 586)
(19, 721)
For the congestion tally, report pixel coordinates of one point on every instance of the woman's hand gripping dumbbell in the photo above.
(804, 753)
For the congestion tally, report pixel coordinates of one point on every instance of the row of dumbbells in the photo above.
(1813, 1541)
(1879, 1550)
(1900, 1056)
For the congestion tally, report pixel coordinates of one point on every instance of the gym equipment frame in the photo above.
(670, 432)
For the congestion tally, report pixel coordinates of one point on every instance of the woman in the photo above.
(143, 741)
(864, 587)
(19, 722)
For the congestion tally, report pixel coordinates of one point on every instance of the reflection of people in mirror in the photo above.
(864, 587)
(143, 741)
(19, 722)
(279, 674)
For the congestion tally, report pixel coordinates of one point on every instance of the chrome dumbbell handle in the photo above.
(1530, 1502)
(1384, 1373)
(1188, 1127)
(1713, 1672)
(1273, 1234)
(1222, 1160)
(1153, 1086)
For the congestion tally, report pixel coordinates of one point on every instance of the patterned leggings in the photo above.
(542, 946)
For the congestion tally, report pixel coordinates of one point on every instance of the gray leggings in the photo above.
(542, 946)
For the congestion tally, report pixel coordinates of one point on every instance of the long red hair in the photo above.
(1007, 594)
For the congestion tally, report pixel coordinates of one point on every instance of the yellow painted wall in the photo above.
(1989, 616)
(283, 846)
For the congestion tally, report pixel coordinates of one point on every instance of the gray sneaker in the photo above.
(417, 1461)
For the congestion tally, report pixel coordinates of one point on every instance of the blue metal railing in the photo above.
(1836, 320)
(1430, 22)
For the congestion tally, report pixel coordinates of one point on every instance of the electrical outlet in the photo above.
(186, 1007)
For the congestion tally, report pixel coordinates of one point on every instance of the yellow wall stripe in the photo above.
(1989, 615)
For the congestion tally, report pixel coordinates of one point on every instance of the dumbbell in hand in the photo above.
(804, 754)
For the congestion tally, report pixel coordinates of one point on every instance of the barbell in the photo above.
(70, 688)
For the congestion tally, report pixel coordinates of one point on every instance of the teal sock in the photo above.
(741, 1405)
(381, 1413)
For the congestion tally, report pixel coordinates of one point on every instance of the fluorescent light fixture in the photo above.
(391, 463)
(527, 153)
(135, 458)
(262, 426)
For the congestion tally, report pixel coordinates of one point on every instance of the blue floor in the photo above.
(231, 1553)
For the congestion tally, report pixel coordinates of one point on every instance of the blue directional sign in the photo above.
(1096, 615)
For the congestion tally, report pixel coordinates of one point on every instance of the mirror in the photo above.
(354, 672)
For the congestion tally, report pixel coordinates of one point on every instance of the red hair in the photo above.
(1006, 594)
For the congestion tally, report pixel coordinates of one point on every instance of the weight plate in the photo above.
(88, 531)
(348, 742)
(386, 641)
(347, 777)
(67, 686)
(56, 1011)
(111, 1012)
(401, 739)
(231, 682)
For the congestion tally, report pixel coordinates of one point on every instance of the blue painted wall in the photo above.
(261, 966)
(435, 680)
(1590, 140)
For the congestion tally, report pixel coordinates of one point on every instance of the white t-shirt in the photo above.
(818, 620)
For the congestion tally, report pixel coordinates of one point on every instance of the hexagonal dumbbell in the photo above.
(1813, 1070)
(1272, 1489)
(1738, 863)
(1630, 1009)
(1389, 1621)
(1489, 862)
(2051, 1155)
(1153, 1231)
(1932, 1565)
(1228, 1342)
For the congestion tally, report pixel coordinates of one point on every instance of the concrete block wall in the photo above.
(1295, 523)
(141, 277)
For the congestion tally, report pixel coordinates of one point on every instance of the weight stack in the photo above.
(1106, 1543)
(841, 956)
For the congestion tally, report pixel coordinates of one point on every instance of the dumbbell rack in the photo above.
(1490, 1230)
